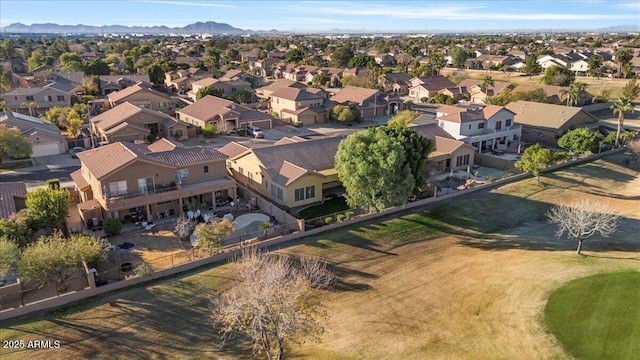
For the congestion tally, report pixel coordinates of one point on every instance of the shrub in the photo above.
(143, 269)
(349, 215)
(210, 131)
(242, 132)
(328, 220)
(599, 99)
(318, 223)
(424, 100)
(112, 227)
(340, 217)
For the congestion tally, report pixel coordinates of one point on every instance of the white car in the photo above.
(255, 132)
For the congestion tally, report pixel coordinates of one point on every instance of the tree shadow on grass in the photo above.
(154, 322)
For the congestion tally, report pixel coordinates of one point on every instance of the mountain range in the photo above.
(209, 27)
(212, 27)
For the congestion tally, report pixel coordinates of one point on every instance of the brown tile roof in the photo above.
(164, 145)
(447, 145)
(289, 140)
(312, 156)
(282, 83)
(124, 93)
(124, 125)
(233, 149)
(431, 131)
(205, 82)
(436, 82)
(109, 158)
(81, 182)
(8, 192)
(209, 106)
(357, 95)
(120, 113)
(290, 93)
(549, 116)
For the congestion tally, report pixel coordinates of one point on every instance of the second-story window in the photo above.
(48, 98)
(117, 188)
(481, 125)
(60, 97)
(507, 122)
(29, 98)
(206, 169)
(498, 125)
(182, 174)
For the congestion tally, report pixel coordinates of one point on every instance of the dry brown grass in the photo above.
(595, 86)
(413, 288)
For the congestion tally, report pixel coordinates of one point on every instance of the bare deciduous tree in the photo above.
(275, 301)
(583, 219)
(184, 227)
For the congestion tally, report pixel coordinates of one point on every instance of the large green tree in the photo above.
(631, 90)
(295, 56)
(345, 113)
(48, 207)
(13, 144)
(558, 75)
(594, 64)
(9, 253)
(416, 151)
(363, 61)
(208, 90)
(580, 140)
(55, 258)
(623, 59)
(535, 158)
(341, 56)
(155, 72)
(375, 168)
(621, 106)
(458, 56)
(531, 66)
(211, 235)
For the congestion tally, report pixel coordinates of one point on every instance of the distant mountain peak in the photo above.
(198, 27)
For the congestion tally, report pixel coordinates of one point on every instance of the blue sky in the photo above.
(324, 15)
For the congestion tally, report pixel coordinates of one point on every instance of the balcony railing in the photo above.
(506, 128)
(158, 189)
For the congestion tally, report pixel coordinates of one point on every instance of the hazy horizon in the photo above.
(318, 16)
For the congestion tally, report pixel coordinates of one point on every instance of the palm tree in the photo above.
(486, 82)
(31, 105)
(621, 106)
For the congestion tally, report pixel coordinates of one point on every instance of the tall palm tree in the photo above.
(486, 82)
(31, 105)
(621, 106)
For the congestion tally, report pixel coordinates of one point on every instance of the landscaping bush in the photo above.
(328, 220)
(298, 124)
(340, 217)
(112, 227)
(143, 269)
(210, 131)
(242, 132)
(349, 215)
(318, 223)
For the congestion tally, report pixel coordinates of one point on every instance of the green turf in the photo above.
(328, 207)
(598, 317)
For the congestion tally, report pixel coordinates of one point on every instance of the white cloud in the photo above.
(185, 3)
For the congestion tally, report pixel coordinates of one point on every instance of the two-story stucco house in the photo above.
(143, 95)
(38, 99)
(129, 122)
(124, 180)
(371, 102)
(297, 172)
(224, 113)
(226, 87)
(300, 106)
(483, 127)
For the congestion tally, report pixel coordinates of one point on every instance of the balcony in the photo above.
(504, 129)
(167, 192)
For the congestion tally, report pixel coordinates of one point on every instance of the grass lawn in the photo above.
(598, 317)
(466, 279)
(328, 207)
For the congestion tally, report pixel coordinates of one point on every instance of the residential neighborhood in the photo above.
(337, 180)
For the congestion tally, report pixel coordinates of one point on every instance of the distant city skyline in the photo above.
(390, 16)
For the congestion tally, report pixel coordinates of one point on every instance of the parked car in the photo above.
(255, 132)
(74, 152)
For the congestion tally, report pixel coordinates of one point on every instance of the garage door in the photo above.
(45, 149)
(262, 124)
